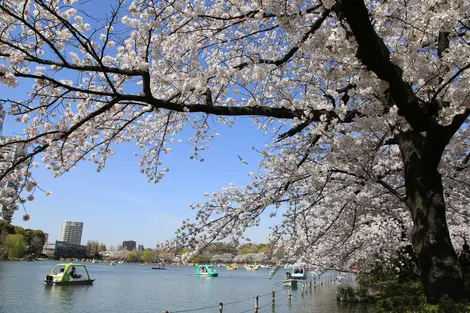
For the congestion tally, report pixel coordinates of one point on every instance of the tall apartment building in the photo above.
(46, 237)
(140, 248)
(71, 232)
(129, 245)
(8, 155)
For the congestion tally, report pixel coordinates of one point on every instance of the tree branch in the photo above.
(374, 54)
(293, 50)
(65, 134)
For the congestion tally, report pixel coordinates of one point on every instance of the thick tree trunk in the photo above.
(441, 273)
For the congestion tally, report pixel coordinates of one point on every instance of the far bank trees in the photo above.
(15, 241)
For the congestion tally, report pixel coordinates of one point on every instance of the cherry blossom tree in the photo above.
(368, 101)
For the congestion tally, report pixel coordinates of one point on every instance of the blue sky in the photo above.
(118, 204)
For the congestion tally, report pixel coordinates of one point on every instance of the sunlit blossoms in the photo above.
(366, 102)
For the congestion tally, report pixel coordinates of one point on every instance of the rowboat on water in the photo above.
(159, 267)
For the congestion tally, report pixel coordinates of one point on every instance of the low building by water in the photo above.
(64, 249)
(48, 249)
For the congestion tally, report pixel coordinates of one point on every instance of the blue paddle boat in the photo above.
(206, 270)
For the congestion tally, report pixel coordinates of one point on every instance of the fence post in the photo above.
(274, 298)
(256, 304)
(221, 307)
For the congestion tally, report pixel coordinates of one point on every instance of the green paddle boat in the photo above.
(69, 274)
(206, 270)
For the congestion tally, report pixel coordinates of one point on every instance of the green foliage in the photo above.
(148, 255)
(347, 293)
(7, 228)
(403, 297)
(15, 246)
(183, 251)
(33, 239)
(198, 259)
(263, 248)
(246, 250)
(392, 294)
(132, 256)
(37, 243)
(445, 306)
(221, 248)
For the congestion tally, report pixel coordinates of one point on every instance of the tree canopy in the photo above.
(368, 102)
(148, 255)
(15, 246)
(28, 240)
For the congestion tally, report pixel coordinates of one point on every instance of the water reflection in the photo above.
(205, 283)
(65, 297)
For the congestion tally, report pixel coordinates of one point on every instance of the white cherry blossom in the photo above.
(367, 103)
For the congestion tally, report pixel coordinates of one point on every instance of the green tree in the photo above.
(15, 246)
(199, 259)
(36, 244)
(246, 250)
(262, 248)
(132, 256)
(147, 255)
(183, 251)
(6, 228)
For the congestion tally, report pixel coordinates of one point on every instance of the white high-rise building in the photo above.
(71, 232)
(8, 155)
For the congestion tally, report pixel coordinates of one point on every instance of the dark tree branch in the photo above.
(438, 138)
(67, 65)
(252, 14)
(374, 54)
(293, 50)
(442, 43)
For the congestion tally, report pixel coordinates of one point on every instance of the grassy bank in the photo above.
(391, 295)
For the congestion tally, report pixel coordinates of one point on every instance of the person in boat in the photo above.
(74, 274)
(203, 269)
(288, 276)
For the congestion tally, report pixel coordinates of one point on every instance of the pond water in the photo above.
(131, 288)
